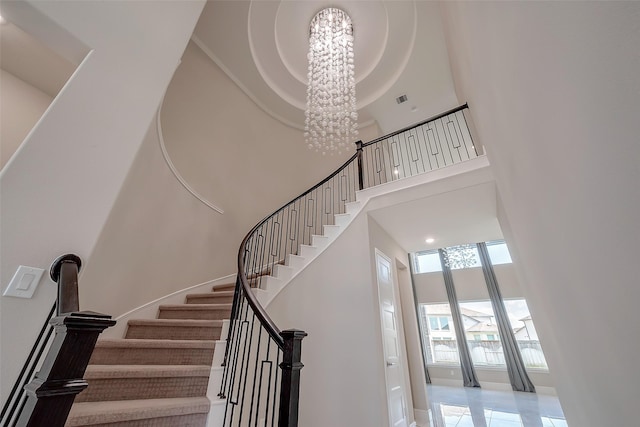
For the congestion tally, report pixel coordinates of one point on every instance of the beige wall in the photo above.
(21, 105)
(159, 238)
(554, 93)
(229, 150)
(59, 187)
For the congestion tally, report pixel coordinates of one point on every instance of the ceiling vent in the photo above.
(401, 99)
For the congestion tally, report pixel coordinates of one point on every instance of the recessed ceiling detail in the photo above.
(278, 35)
(399, 48)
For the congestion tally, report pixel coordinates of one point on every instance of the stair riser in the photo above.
(152, 356)
(195, 314)
(107, 389)
(213, 299)
(180, 420)
(173, 332)
(224, 288)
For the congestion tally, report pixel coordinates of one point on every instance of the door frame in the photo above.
(399, 332)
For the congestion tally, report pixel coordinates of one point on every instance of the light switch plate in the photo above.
(24, 282)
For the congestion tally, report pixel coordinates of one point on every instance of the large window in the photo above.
(426, 261)
(498, 252)
(461, 256)
(478, 318)
(525, 333)
(439, 336)
(481, 332)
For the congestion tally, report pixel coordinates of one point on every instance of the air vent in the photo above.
(401, 99)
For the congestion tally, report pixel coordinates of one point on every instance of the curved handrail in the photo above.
(259, 311)
(249, 360)
(423, 122)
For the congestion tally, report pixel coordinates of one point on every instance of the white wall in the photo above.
(409, 340)
(60, 186)
(553, 89)
(335, 301)
(21, 105)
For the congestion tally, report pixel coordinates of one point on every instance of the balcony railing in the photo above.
(440, 141)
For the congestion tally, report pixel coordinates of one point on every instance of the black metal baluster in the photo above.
(255, 378)
(275, 400)
(461, 136)
(466, 125)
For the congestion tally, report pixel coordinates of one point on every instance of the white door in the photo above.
(393, 369)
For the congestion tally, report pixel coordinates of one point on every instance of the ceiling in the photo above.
(262, 46)
(399, 50)
(466, 215)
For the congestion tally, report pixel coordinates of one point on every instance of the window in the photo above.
(462, 256)
(438, 334)
(426, 262)
(439, 323)
(525, 333)
(479, 319)
(498, 252)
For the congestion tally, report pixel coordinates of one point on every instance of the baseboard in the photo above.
(447, 382)
(549, 391)
(422, 417)
(488, 385)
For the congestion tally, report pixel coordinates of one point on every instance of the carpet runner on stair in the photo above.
(158, 374)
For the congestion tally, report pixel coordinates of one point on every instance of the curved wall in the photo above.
(229, 150)
(159, 238)
(59, 187)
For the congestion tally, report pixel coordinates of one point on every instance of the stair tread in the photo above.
(151, 343)
(146, 371)
(196, 307)
(87, 413)
(175, 322)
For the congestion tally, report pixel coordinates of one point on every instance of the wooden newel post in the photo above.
(64, 271)
(360, 174)
(55, 386)
(290, 385)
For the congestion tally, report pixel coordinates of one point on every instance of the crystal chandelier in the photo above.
(331, 118)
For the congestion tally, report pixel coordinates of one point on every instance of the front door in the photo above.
(393, 368)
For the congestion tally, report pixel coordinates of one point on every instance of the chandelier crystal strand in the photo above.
(331, 118)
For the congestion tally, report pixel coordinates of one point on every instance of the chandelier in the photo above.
(331, 116)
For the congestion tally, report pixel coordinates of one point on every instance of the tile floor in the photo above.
(475, 407)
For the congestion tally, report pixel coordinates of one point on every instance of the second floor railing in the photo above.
(262, 364)
(432, 144)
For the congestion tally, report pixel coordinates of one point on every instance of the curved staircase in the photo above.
(159, 373)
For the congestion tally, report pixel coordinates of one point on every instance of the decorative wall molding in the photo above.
(175, 172)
